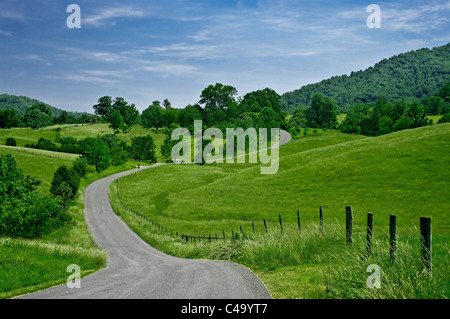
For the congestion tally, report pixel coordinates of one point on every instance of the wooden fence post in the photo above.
(298, 219)
(369, 233)
(281, 224)
(253, 226)
(242, 232)
(426, 242)
(321, 217)
(265, 225)
(393, 236)
(349, 224)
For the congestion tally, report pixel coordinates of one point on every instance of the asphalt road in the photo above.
(136, 270)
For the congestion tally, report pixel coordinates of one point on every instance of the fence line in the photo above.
(425, 230)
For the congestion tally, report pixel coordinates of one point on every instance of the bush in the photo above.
(143, 148)
(23, 211)
(11, 141)
(32, 216)
(65, 184)
(444, 119)
(80, 166)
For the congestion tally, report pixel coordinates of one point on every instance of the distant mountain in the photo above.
(21, 103)
(408, 76)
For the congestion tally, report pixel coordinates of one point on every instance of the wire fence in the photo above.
(425, 230)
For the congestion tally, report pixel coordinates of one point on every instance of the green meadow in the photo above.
(404, 173)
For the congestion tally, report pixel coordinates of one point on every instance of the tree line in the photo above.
(381, 117)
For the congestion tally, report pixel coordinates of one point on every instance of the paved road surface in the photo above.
(137, 270)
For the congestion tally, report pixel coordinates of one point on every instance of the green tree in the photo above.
(23, 211)
(153, 116)
(65, 183)
(143, 148)
(35, 118)
(104, 107)
(96, 152)
(116, 123)
(217, 99)
(119, 156)
(322, 113)
(9, 119)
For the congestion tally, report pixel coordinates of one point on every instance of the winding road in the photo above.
(135, 270)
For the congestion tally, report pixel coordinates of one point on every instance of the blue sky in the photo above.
(152, 50)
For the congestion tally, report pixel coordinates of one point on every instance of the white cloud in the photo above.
(105, 15)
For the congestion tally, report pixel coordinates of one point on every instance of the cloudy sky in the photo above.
(152, 50)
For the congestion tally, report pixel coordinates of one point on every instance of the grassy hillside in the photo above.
(408, 76)
(39, 163)
(21, 103)
(405, 173)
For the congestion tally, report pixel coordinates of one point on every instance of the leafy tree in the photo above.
(9, 119)
(119, 156)
(444, 119)
(322, 113)
(23, 211)
(167, 104)
(216, 100)
(444, 91)
(416, 112)
(35, 118)
(116, 123)
(143, 148)
(96, 152)
(189, 114)
(104, 107)
(80, 166)
(434, 105)
(65, 183)
(44, 144)
(153, 116)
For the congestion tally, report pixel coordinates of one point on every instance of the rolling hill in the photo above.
(408, 76)
(22, 103)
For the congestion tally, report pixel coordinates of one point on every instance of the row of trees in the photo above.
(102, 151)
(218, 107)
(379, 118)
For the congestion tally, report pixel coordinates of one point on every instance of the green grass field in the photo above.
(404, 173)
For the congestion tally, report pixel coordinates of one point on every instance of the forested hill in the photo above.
(22, 103)
(408, 76)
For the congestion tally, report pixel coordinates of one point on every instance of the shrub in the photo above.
(65, 183)
(80, 166)
(444, 119)
(11, 141)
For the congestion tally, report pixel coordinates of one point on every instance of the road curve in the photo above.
(135, 270)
